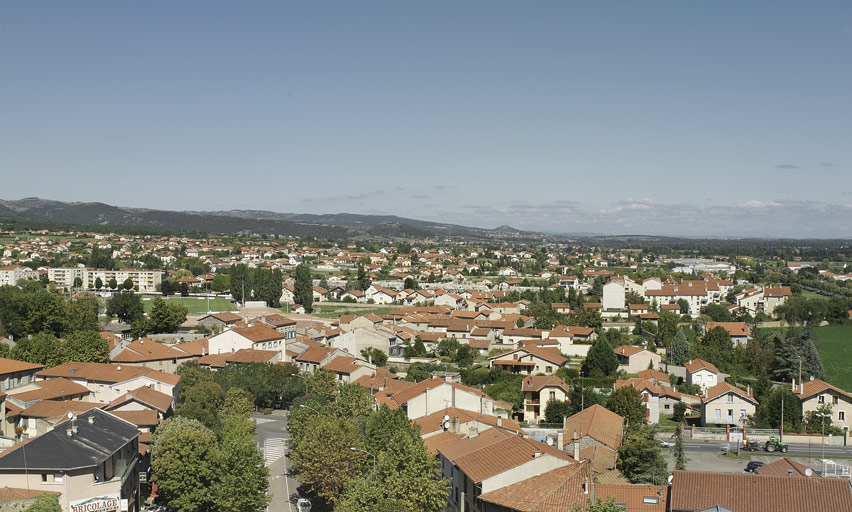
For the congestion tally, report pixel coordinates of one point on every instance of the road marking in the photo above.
(273, 449)
(261, 421)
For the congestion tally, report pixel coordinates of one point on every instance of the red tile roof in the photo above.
(13, 366)
(598, 423)
(743, 492)
(694, 365)
(558, 490)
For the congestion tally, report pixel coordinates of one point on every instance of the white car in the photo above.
(303, 505)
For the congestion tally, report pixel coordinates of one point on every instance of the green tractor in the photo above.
(775, 444)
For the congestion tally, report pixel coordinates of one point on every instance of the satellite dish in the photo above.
(446, 425)
(446, 417)
(70, 415)
(671, 477)
(549, 441)
(809, 472)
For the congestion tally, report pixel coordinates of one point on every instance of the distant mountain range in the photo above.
(245, 222)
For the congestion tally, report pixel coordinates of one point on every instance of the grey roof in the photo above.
(56, 450)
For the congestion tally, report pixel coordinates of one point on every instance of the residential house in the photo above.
(432, 395)
(257, 336)
(463, 423)
(724, 404)
(89, 459)
(613, 295)
(219, 321)
(537, 391)
(597, 433)
(15, 373)
(739, 331)
(109, 381)
(530, 359)
(154, 355)
(491, 460)
(817, 393)
(635, 359)
(702, 373)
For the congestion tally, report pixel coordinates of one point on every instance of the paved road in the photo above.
(272, 437)
(796, 449)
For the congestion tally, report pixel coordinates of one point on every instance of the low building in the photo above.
(635, 359)
(91, 459)
(818, 393)
(724, 404)
(539, 390)
(739, 332)
(703, 374)
(596, 433)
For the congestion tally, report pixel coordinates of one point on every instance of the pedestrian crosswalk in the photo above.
(273, 449)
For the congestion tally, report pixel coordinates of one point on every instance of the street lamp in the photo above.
(309, 407)
(356, 449)
(823, 416)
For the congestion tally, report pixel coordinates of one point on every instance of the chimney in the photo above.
(576, 447)
(794, 385)
(560, 440)
(454, 425)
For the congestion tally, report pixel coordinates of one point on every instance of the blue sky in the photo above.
(672, 118)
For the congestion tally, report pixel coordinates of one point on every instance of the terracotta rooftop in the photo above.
(557, 490)
(693, 365)
(723, 388)
(56, 410)
(315, 354)
(144, 349)
(434, 422)
(503, 455)
(634, 498)
(112, 373)
(538, 382)
(597, 422)
(733, 328)
(785, 467)
(52, 389)
(627, 350)
(813, 387)
(743, 492)
(143, 418)
(259, 333)
(436, 442)
(146, 396)
(12, 366)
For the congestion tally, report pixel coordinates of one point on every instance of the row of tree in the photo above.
(356, 459)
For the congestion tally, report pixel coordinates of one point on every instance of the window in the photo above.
(835, 399)
(821, 399)
(666, 406)
(57, 478)
(553, 395)
(730, 398)
(718, 413)
(730, 414)
(841, 416)
(650, 500)
(698, 378)
(44, 477)
(742, 413)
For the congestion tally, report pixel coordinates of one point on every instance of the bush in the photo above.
(679, 411)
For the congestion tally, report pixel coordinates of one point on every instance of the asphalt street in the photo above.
(272, 437)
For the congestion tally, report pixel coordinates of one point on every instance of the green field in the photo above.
(333, 310)
(195, 305)
(834, 343)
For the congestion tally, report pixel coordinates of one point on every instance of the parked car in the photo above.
(752, 466)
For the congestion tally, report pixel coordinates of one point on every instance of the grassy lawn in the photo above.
(195, 305)
(812, 295)
(666, 423)
(834, 343)
(333, 311)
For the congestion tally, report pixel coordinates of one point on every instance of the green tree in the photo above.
(243, 478)
(717, 312)
(166, 316)
(202, 403)
(85, 347)
(81, 314)
(411, 284)
(600, 505)
(600, 361)
(303, 289)
(626, 401)
(323, 460)
(238, 282)
(184, 458)
(678, 352)
(639, 458)
(45, 503)
(678, 412)
(768, 413)
(811, 360)
(112, 283)
(99, 283)
(191, 373)
(556, 411)
(678, 452)
(221, 283)
(126, 306)
(684, 306)
(418, 372)
(127, 284)
(323, 383)
(376, 356)
(43, 348)
(582, 397)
